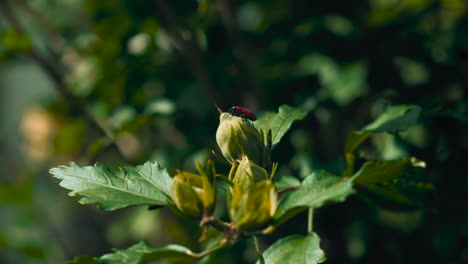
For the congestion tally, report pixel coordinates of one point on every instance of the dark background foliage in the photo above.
(122, 82)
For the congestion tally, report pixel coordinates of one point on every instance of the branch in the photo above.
(55, 40)
(56, 75)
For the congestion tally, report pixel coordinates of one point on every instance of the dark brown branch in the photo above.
(56, 75)
(55, 40)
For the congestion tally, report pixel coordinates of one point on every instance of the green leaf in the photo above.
(316, 189)
(380, 172)
(392, 120)
(395, 182)
(286, 182)
(295, 249)
(343, 83)
(355, 139)
(147, 184)
(264, 120)
(395, 118)
(452, 113)
(142, 251)
(391, 196)
(279, 123)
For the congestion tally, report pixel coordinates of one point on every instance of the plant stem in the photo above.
(310, 220)
(212, 221)
(221, 245)
(232, 172)
(257, 248)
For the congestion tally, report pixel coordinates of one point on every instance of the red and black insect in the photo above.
(242, 112)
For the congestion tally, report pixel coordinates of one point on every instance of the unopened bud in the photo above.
(237, 137)
(254, 207)
(248, 173)
(193, 194)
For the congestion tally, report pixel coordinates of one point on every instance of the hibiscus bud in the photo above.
(237, 137)
(248, 173)
(254, 207)
(193, 194)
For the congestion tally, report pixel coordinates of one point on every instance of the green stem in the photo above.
(257, 248)
(212, 221)
(310, 220)
(221, 245)
(232, 172)
(224, 179)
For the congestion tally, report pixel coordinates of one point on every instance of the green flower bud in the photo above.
(237, 137)
(193, 194)
(248, 173)
(254, 207)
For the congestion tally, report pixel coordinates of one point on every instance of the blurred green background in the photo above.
(122, 82)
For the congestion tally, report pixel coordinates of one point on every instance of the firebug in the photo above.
(242, 112)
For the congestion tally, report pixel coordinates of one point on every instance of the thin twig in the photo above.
(257, 248)
(212, 221)
(310, 220)
(55, 40)
(56, 75)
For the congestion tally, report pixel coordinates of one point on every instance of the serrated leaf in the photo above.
(280, 123)
(315, 190)
(380, 172)
(147, 184)
(394, 182)
(142, 251)
(286, 182)
(297, 249)
(395, 119)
